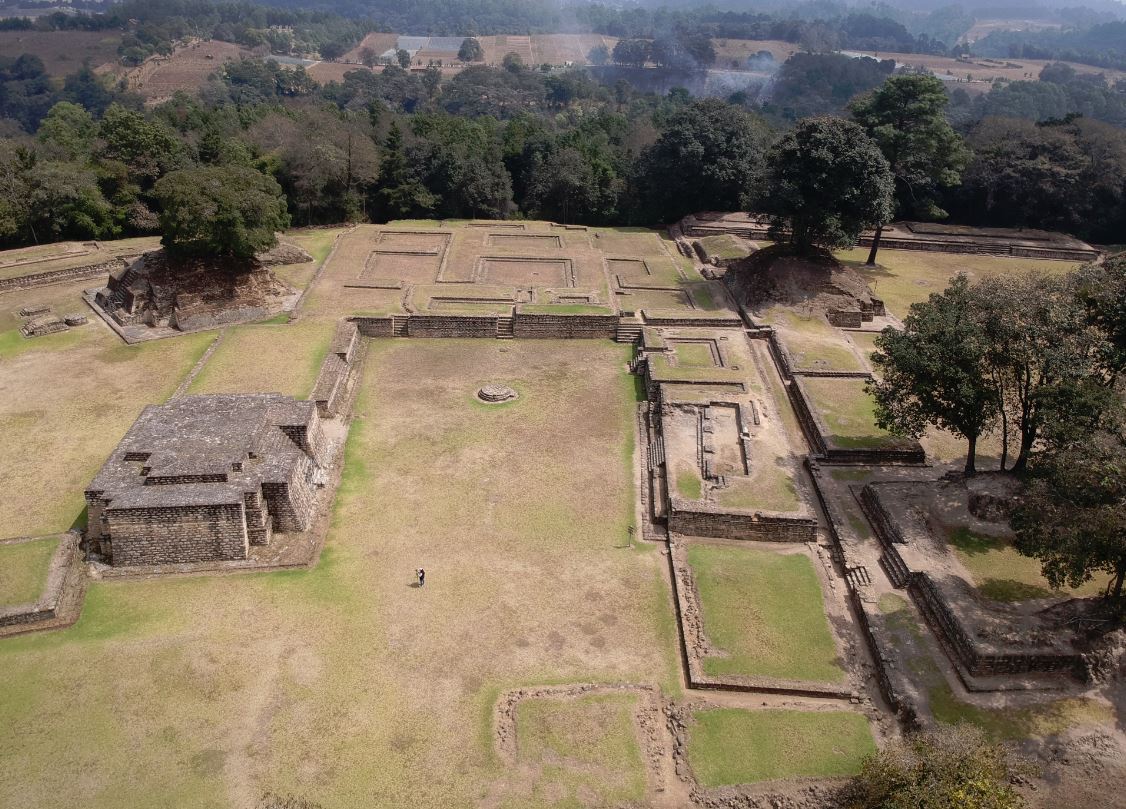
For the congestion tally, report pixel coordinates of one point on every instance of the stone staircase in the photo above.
(628, 331)
(398, 326)
(505, 328)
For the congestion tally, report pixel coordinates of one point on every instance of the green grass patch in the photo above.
(1001, 573)
(696, 355)
(771, 488)
(848, 412)
(729, 746)
(689, 485)
(724, 247)
(23, 570)
(267, 358)
(765, 611)
(1011, 724)
(564, 309)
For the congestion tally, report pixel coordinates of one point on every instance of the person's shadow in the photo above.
(415, 584)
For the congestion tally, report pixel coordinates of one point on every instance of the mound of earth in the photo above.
(778, 274)
(162, 290)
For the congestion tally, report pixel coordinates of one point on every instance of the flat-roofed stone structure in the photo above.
(202, 478)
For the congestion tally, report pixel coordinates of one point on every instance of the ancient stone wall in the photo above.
(562, 326)
(976, 661)
(59, 276)
(702, 321)
(172, 534)
(64, 569)
(374, 326)
(452, 326)
(693, 518)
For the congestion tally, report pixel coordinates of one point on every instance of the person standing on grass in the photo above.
(421, 577)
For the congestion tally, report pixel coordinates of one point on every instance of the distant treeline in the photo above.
(1101, 45)
(80, 160)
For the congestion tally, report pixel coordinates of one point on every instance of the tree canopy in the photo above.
(220, 211)
(826, 181)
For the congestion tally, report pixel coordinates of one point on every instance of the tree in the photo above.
(404, 58)
(826, 181)
(632, 52)
(935, 371)
(906, 118)
(68, 131)
(471, 50)
(148, 149)
(1072, 516)
(400, 195)
(709, 157)
(368, 56)
(512, 62)
(1041, 350)
(951, 768)
(599, 55)
(220, 211)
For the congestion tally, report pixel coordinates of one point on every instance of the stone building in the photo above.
(203, 478)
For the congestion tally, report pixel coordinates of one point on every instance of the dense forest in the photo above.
(80, 157)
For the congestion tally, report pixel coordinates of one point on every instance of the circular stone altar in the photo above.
(496, 394)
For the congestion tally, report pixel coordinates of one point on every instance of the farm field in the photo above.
(64, 52)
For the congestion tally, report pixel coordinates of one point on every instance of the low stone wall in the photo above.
(981, 248)
(845, 318)
(43, 279)
(703, 321)
(332, 380)
(960, 645)
(806, 420)
(555, 326)
(693, 518)
(452, 326)
(373, 326)
(977, 662)
(64, 567)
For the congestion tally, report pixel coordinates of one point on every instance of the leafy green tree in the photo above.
(1101, 289)
(632, 52)
(826, 181)
(906, 118)
(1041, 351)
(147, 148)
(1072, 516)
(951, 768)
(935, 371)
(599, 55)
(220, 211)
(404, 58)
(400, 195)
(68, 131)
(710, 155)
(513, 62)
(471, 50)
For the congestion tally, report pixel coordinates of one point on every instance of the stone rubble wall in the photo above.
(189, 533)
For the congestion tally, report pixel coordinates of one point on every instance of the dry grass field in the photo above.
(64, 52)
(347, 685)
(23, 570)
(188, 69)
(65, 401)
(904, 277)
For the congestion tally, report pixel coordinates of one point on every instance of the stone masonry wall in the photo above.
(555, 326)
(697, 519)
(168, 535)
(373, 326)
(58, 276)
(452, 326)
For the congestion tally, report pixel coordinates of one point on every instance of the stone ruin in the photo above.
(203, 478)
(40, 320)
(189, 294)
(817, 281)
(497, 394)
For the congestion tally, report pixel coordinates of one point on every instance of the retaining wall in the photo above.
(556, 326)
(59, 276)
(166, 535)
(698, 519)
(65, 564)
(373, 326)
